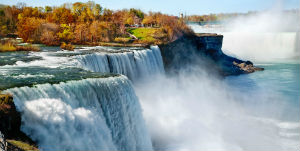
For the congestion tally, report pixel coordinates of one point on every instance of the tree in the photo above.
(9, 19)
(48, 9)
(149, 21)
(81, 33)
(49, 35)
(61, 15)
(137, 12)
(65, 34)
(107, 15)
(129, 21)
(28, 28)
(101, 31)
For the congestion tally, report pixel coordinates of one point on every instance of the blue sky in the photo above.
(175, 6)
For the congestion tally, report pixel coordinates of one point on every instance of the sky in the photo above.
(175, 7)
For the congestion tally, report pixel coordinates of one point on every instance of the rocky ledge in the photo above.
(204, 50)
(13, 138)
(247, 67)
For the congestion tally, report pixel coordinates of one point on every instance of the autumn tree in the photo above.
(101, 31)
(28, 28)
(81, 33)
(66, 34)
(61, 15)
(86, 12)
(8, 19)
(49, 34)
(107, 15)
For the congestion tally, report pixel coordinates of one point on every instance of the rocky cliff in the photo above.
(10, 127)
(204, 50)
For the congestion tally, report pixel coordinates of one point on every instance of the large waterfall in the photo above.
(261, 46)
(256, 46)
(91, 114)
(259, 37)
(134, 64)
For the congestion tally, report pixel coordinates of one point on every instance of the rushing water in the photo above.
(195, 111)
(270, 98)
(92, 114)
(68, 102)
(134, 64)
(78, 101)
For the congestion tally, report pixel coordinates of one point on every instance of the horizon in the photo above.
(177, 7)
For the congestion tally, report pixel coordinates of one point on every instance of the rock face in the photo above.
(9, 117)
(10, 123)
(204, 50)
(247, 67)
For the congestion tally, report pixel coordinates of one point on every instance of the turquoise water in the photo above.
(277, 87)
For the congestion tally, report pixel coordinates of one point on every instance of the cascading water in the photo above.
(91, 114)
(260, 46)
(259, 37)
(256, 46)
(134, 64)
(297, 43)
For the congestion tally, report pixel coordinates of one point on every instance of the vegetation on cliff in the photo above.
(86, 23)
(21, 145)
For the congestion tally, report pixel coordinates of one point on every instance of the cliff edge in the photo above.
(204, 50)
(13, 138)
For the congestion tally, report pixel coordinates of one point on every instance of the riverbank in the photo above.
(9, 47)
(137, 37)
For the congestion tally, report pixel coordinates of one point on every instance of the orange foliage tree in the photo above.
(83, 23)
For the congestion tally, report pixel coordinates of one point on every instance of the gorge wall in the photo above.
(204, 50)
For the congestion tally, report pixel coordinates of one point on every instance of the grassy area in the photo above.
(22, 145)
(7, 47)
(145, 35)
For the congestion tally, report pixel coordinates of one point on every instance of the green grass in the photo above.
(22, 145)
(144, 34)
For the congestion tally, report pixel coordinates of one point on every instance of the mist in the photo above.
(264, 36)
(197, 111)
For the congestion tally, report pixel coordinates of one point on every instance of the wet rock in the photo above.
(247, 67)
(11, 122)
(9, 117)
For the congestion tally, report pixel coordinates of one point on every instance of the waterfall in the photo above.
(90, 114)
(297, 44)
(134, 64)
(260, 46)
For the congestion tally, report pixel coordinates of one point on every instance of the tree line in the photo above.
(82, 23)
